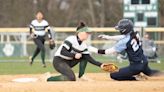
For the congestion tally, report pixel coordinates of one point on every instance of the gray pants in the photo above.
(64, 67)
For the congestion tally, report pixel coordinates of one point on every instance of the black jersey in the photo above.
(134, 49)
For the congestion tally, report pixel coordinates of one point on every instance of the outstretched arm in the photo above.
(101, 51)
(91, 60)
(108, 37)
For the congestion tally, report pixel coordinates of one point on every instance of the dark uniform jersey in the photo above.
(132, 47)
(134, 50)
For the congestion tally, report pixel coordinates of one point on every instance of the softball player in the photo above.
(37, 33)
(131, 43)
(70, 53)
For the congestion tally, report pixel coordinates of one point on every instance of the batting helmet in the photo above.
(124, 26)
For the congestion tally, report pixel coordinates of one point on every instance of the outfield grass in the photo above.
(36, 68)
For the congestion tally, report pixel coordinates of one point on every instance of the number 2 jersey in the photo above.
(133, 47)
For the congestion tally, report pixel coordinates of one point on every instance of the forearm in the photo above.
(49, 34)
(117, 37)
(107, 51)
(101, 51)
(30, 30)
(65, 52)
(91, 60)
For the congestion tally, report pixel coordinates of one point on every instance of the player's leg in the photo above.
(40, 44)
(43, 52)
(62, 67)
(124, 74)
(82, 67)
(150, 72)
(36, 52)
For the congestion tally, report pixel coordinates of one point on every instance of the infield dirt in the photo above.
(101, 82)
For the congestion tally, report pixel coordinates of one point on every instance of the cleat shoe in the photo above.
(84, 78)
(141, 77)
(30, 61)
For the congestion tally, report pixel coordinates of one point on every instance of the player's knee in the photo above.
(72, 78)
(43, 49)
(113, 76)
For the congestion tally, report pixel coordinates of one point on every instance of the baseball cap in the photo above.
(84, 29)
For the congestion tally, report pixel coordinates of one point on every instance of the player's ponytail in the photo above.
(81, 25)
(133, 35)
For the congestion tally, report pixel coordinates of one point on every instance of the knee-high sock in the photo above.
(58, 78)
(82, 67)
(43, 56)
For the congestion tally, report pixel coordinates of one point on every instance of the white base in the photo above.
(25, 80)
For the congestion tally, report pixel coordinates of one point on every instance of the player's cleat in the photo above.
(141, 77)
(84, 78)
(30, 61)
(45, 76)
(44, 65)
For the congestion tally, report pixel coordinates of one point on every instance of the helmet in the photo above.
(124, 26)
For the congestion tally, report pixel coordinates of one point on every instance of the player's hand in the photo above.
(78, 55)
(104, 37)
(51, 44)
(32, 35)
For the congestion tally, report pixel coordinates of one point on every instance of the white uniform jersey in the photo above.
(71, 44)
(39, 27)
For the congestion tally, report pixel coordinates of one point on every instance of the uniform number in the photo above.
(134, 43)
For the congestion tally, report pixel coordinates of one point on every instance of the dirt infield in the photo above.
(100, 83)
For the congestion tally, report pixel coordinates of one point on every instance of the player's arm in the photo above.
(118, 47)
(30, 29)
(65, 52)
(65, 49)
(32, 35)
(49, 32)
(115, 38)
(91, 60)
(102, 51)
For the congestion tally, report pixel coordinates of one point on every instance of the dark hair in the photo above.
(81, 25)
(133, 35)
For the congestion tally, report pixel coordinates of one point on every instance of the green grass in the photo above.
(36, 68)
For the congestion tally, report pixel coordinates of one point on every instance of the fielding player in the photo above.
(130, 42)
(70, 53)
(37, 32)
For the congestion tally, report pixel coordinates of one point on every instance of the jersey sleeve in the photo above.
(32, 24)
(47, 25)
(121, 44)
(68, 43)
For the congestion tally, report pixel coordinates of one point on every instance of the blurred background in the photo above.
(64, 15)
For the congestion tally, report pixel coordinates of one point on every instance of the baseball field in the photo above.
(95, 80)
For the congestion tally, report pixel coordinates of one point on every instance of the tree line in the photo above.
(65, 13)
